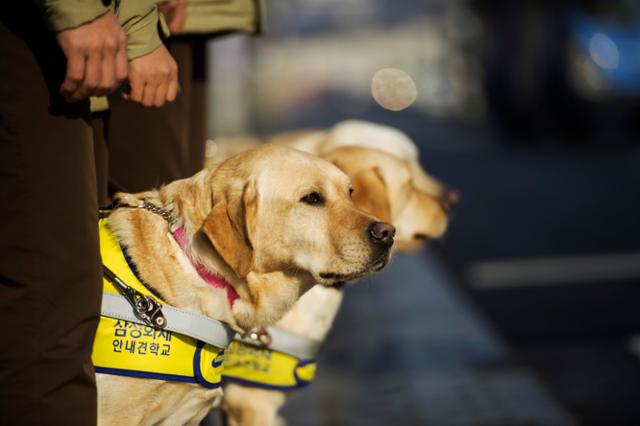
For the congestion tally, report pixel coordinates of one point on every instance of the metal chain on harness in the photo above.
(144, 307)
(165, 214)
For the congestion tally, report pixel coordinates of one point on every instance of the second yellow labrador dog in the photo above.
(268, 223)
(388, 183)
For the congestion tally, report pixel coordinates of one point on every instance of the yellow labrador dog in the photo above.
(269, 223)
(388, 183)
(375, 136)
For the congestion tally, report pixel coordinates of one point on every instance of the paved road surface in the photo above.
(407, 349)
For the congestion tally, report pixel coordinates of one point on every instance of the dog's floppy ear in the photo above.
(230, 227)
(370, 193)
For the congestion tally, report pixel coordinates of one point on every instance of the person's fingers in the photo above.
(149, 94)
(121, 61)
(172, 90)
(136, 90)
(153, 78)
(96, 58)
(92, 76)
(74, 75)
(161, 94)
(108, 78)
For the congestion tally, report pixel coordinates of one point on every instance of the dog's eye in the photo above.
(313, 199)
(350, 191)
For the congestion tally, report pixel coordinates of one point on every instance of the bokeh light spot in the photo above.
(393, 89)
(604, 52)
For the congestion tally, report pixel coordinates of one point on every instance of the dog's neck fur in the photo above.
(162, 264)
(169, 268)
(313, 315)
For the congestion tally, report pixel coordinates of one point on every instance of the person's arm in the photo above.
(153, 74)
(93, 43)
(96, 48)
(96, 58)
(61, 15)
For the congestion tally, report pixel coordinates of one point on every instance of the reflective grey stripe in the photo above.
(289, 343)
(187, 323)
(293, 344)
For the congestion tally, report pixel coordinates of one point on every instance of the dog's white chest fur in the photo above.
(142, 402)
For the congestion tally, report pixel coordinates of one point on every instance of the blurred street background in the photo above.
(526, 313)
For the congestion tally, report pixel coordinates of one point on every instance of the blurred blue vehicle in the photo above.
(563, 66)
(604, 49)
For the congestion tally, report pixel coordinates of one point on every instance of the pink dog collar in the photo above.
(180, 235)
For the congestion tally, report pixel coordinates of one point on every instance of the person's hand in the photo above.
(153, 78)
(96, 55)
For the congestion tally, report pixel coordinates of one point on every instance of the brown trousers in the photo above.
(152, 146)
(50, 275)
(53, 167)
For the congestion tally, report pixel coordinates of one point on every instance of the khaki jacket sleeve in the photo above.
(139, 19)
(141, 23)
(62, 15)
(207, 16)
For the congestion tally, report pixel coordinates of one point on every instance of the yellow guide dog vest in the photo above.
(266, 368)
(131, 349)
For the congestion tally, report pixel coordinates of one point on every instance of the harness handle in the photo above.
(144, 307)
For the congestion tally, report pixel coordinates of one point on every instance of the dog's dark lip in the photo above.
(379, 266)
(342, 279)
(338, 285)
(331, 275)
(380, 262)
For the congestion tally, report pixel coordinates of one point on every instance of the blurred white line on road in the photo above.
(633, 344)
(541, 271)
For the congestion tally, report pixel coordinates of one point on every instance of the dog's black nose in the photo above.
(450, 200)
(381, 233)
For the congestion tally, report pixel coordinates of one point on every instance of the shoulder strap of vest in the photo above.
(298, 346)
(293, 344)
(179, 321)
